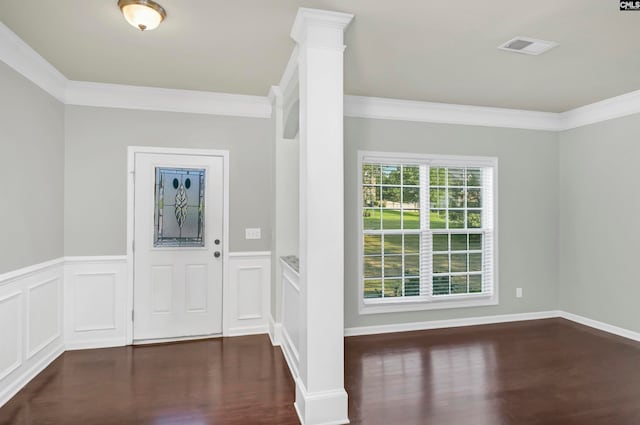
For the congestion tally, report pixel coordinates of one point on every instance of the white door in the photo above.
(178, 233)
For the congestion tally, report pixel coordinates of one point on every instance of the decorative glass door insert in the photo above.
(179, 207)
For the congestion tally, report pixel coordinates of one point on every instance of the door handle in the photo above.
(216, 254)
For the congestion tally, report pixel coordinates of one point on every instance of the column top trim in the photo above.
(319, 18)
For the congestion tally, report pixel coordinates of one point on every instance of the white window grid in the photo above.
(426, 234)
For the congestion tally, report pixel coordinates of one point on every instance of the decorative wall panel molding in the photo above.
(246, 305)
(30, 323)
(95, 302)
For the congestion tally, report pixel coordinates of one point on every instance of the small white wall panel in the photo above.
(196, 287)
(95, 309)
(43, 315)
(291, 321)
(95, 301)
(162, 288)
(247, 301)
(291, 311)
(30, 324)
(10, 333)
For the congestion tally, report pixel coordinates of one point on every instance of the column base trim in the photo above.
(321, 408)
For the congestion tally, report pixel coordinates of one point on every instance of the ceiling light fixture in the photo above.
(142, 14)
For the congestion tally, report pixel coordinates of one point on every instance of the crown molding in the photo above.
(604, 110)
(316, 18)
(23, 59)
(170, 100)
(444, 113)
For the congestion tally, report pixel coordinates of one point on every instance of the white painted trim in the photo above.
(95, 259)
(275, 331)
(308, 18)
(403, 304)
(31, 373)
(9, 277)
(98, 343)
(170, 100)
(23, 59)
(450, 323)
(176, 339)
(241, 254)
(444, 113)
(33, 351)
(314, 408)
(26, 61)
(290, 74)
(615, 330)
(608, 109)
(21, 333)
(249, 330)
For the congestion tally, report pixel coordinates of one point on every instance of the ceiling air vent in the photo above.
(529, 46)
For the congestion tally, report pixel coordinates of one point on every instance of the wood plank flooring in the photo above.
(236, 381)
(546, 372)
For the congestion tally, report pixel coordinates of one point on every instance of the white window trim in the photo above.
(454, 301)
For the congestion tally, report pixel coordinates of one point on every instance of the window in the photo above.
(179, 207)
(427, 232)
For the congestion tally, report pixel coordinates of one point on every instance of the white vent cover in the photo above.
(527, 45)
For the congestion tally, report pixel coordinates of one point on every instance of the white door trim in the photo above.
(131, 152)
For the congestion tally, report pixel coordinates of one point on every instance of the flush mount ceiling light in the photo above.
(142, 14)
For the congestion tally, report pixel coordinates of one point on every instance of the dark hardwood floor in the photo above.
(546, 372)
(236, 381)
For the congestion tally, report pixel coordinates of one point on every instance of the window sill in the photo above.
(404, 305)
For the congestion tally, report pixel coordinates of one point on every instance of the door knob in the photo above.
(216, 254)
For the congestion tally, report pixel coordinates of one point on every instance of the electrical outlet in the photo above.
(252, 233)
(518, 292)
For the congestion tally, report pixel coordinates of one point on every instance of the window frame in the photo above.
(400, 304)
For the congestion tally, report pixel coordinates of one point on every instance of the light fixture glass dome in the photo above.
(142, 14)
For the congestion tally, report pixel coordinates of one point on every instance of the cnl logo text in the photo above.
(629, 5)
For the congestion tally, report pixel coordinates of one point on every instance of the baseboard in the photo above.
(321, 408)
(451, 323)
(19, 383)
(251, 330)
(275, 332)
(96, 343)
(615, 330)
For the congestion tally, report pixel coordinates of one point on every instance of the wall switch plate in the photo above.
(518, 292)
(252, 233)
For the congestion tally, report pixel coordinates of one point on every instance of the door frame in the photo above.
(131, 155)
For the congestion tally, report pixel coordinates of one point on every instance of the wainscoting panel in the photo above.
(31, 307)
(95, 302)
(290, 330)
(246, 306)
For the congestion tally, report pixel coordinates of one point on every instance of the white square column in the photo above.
(320, 394)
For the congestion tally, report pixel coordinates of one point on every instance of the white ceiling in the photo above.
(430, 50)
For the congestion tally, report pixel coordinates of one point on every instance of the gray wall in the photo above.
(31, 173)
(96, 171)
(528, 206)
(599, 217)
